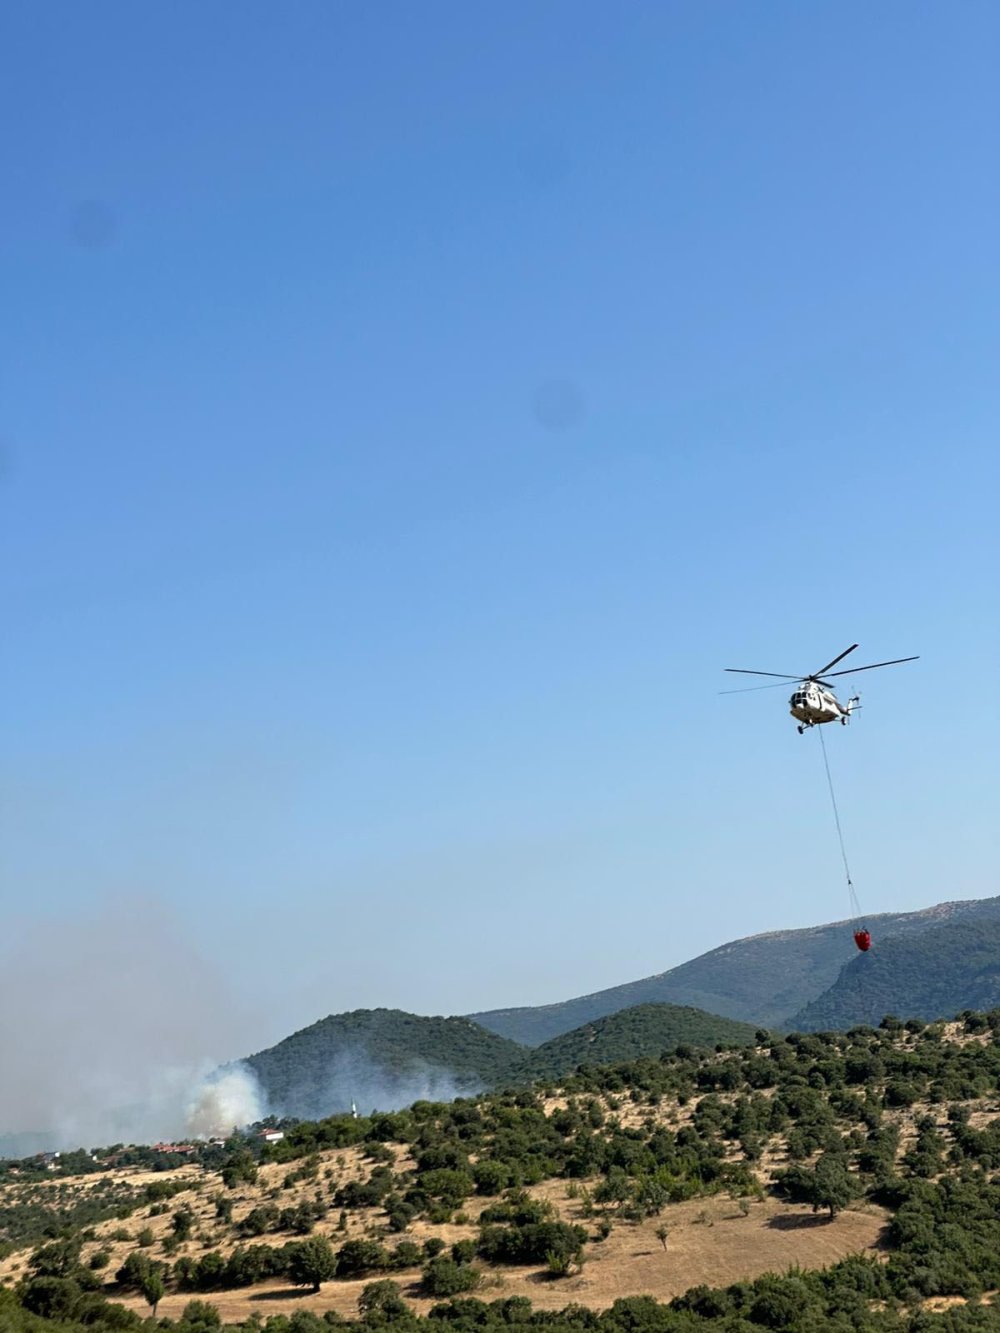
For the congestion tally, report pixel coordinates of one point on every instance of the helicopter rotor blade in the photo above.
(742, 671)
(871, 667)
(749, 689)
(823, 670)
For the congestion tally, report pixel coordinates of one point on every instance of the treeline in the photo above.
(854, 1295)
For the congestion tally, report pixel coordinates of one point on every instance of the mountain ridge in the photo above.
(731, 980)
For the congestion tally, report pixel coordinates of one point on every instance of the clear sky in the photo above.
(408, 410)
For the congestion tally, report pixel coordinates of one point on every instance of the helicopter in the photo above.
(814, 701)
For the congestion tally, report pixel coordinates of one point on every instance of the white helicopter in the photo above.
(814, 701)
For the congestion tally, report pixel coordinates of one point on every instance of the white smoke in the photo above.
(354, 1078)
(227, 1099)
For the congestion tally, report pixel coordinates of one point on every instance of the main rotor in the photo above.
(821, 677)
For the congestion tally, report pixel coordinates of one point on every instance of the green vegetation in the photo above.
(878, 1115)
(646, 1029)
(64, 1208)
(324, 1066)
(403, 1048)
(931, 975)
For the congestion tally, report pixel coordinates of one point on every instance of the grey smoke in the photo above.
(113, 1026)
(222, 1101)
(354, 1077)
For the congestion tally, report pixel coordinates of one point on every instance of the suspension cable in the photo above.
(855, 904)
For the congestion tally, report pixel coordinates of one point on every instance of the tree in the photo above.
(304, 1321)
(652, 1196)
(661, 1233)
(59, 1259)
(134, 1270)
(833, 1187)
(240, 1165)
(183, 1222)
(200, 1317)
(51, 1297)
(311, 1262)
(381, 1299)
(491, 1177)
(444, 1277)
(615, 1188)
(153, 1289)
(361, 1256)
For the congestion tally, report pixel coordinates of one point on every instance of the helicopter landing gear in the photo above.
(801, 729)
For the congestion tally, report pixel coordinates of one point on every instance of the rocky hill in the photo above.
(763, 979)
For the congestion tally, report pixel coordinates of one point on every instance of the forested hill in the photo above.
(935, 974)
(379, 1058)
(763, 979)
(644, 1030)
(384, 1058)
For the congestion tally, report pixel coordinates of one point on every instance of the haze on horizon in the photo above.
(404, 418)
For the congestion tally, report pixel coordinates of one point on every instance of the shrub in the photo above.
(444, 1277)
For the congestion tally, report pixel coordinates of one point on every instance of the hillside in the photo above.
(818, 1182)
(379, 1059)
(935, 974)
(763, 979)
(643, 1030)
(384, 1058)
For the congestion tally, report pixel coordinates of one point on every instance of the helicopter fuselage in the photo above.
(811, 705)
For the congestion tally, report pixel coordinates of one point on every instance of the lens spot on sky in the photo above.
(93, 225)
(558, 405)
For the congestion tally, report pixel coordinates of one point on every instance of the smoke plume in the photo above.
(225, 1100)
(353, 1078)
(113, 1026)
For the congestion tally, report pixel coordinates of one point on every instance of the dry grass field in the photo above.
(724, 1247)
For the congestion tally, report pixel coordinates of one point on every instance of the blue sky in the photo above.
(408, 411)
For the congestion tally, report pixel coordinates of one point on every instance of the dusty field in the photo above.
(724, 1247)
